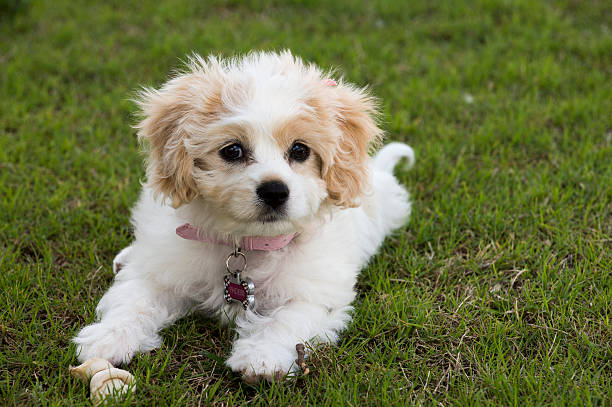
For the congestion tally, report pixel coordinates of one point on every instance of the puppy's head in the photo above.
(264, 139)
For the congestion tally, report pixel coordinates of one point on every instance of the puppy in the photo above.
(261, 206)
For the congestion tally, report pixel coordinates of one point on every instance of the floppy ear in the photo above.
(169, 167)
(347, 176)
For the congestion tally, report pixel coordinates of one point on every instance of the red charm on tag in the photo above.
(237, 290)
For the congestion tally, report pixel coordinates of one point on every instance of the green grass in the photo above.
(499, 290)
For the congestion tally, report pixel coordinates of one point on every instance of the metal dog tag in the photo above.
(238, 289)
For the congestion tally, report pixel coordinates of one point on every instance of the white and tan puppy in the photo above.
(265, 149)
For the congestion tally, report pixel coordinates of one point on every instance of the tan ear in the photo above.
(169, 167)
(347, 176)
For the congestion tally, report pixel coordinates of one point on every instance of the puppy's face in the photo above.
(262, 141)
(259, 171)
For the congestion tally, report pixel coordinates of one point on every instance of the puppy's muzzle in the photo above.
(273, 193)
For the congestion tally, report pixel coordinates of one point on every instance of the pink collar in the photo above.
(265, 243)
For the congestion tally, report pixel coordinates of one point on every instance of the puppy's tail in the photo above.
(388, 156)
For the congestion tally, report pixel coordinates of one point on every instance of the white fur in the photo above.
(303, 292)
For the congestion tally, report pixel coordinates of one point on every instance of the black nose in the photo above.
(273, 193)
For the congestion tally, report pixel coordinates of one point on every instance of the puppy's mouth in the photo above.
(271, 217)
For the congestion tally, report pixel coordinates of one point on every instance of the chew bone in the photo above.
(104, 379)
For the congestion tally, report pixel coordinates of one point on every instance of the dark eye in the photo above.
(299, 152)
(233, 152)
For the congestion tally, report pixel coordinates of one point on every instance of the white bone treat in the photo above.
(104, 379)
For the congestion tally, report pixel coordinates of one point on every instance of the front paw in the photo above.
(257, 361)
(117, 344)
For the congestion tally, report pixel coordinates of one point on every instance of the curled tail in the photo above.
(388, 156)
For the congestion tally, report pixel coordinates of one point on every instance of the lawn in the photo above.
(498, 291)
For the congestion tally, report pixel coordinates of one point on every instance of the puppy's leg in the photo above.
(265, 347)
(130, 316)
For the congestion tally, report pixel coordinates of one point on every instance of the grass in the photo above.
(499, 290)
